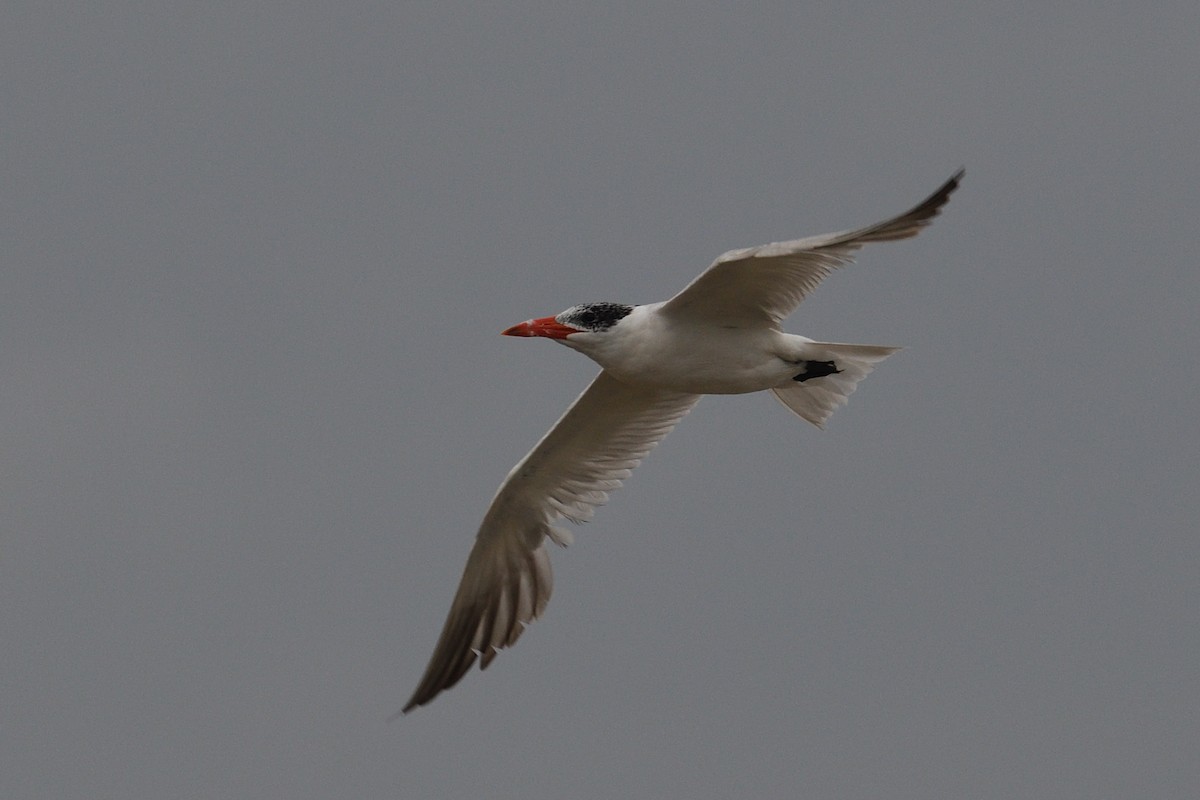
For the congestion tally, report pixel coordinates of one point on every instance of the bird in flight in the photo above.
(720, 335)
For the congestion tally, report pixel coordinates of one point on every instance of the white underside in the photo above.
(651, 350)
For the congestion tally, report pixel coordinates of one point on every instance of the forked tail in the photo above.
(824, 382)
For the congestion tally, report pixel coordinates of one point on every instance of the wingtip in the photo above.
(931, 207)
(950, 185)
(939, 198)
(421, 697)
(956, 178)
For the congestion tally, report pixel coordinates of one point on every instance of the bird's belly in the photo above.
(730, 365)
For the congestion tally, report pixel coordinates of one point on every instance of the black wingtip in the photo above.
(924, 212)
(938, 199)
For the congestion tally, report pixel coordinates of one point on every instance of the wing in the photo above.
(759, 286)
(605, 433)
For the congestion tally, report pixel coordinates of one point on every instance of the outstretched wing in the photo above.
(759, 286)
(605, 433)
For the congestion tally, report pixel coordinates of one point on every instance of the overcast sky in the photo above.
(254, 402)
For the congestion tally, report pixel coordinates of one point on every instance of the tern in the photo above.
(720, 335)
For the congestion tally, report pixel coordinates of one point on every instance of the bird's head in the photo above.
(578, 325)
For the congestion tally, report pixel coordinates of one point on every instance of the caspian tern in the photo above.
(720, 335)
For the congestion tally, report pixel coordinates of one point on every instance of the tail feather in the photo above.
(817, 398)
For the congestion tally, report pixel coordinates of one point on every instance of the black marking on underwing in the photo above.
(816, 369)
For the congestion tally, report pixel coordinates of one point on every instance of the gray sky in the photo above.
(254, 401)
